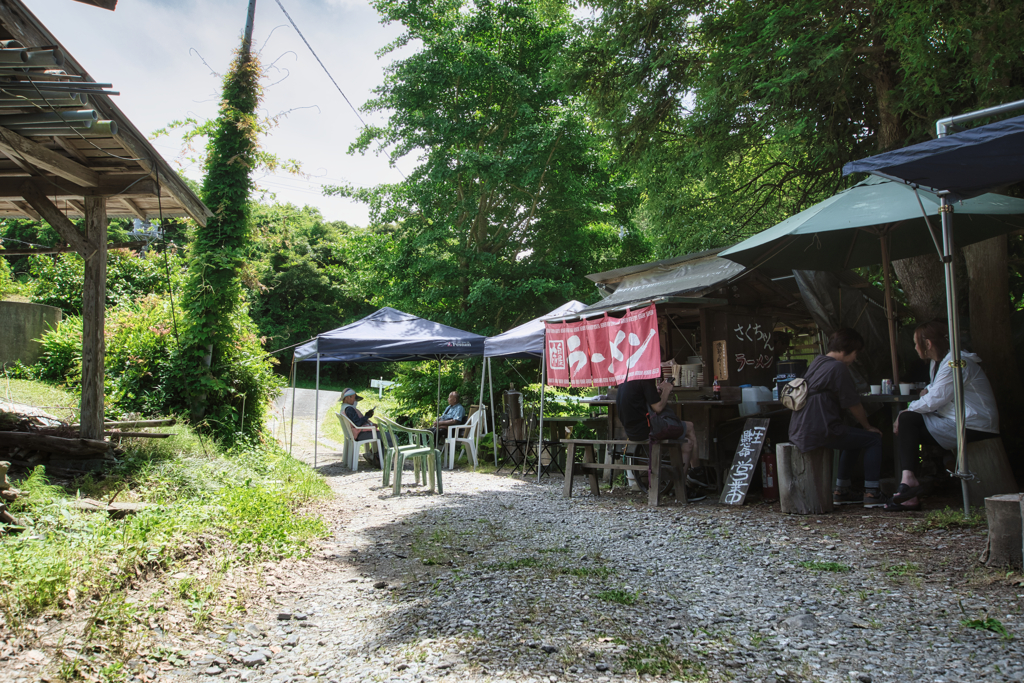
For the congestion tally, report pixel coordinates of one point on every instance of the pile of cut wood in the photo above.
(30, 436)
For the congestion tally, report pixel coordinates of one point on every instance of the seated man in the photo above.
(362, 427)
(454, 414)
(635, 399)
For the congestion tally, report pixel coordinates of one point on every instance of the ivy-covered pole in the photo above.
(217, 320)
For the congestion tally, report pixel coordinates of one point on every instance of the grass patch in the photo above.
(623, 597)
(905, 569)
(951, 518)
(988, 624)
(53, 399)
(239, 504)
(825, 566)
(660, 660)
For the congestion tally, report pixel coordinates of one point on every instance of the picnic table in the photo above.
(652, 465)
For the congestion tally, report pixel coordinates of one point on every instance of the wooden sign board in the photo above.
(721, 360)
(743, 463)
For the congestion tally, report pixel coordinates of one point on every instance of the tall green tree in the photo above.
(511, 196)
(223, 368)
(736, 114)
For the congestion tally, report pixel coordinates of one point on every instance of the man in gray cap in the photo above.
(362, 427)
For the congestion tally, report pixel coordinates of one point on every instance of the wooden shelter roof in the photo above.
(63, 165)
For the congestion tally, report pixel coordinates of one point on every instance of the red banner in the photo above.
(604, 351)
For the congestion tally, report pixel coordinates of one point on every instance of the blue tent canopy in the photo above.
(527, 340)
(391, 335)
(965, 164)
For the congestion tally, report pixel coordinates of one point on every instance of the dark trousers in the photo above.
(854, 441)
(914, 433)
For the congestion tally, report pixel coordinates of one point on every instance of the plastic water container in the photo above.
(751, 397)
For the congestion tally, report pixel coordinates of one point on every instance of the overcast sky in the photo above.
(152, 51)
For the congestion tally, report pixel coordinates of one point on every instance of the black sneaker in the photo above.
(844, 496)
(694, 494)
(873, 498)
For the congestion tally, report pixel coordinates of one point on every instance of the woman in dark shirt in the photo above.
(820, 424)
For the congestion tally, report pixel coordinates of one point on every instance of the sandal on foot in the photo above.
(904, 492)
(897, 507)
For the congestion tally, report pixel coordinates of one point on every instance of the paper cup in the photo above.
(905, 389)
(876, 389)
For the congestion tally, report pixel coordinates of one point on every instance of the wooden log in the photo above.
(805, 480)
(115, 510)
(992, 474)
(165, 422)
(1005, 544)
(139, 435)
(57, 444)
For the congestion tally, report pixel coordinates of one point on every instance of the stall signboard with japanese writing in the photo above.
(604, 351)
(751, 348)
(745, 461)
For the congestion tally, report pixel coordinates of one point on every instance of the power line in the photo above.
(313, 52)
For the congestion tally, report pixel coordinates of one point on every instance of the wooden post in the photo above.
(94, 299)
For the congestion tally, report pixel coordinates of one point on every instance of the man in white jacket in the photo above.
(931, 419)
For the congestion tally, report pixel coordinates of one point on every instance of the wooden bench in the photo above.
(590, 466)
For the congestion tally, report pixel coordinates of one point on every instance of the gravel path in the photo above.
(500, 579)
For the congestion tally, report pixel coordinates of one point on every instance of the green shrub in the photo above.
(60, 280)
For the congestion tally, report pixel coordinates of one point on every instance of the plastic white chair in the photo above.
(351, 454)
(468, 435)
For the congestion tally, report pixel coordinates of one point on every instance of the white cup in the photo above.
(876, 389)
(905, 389)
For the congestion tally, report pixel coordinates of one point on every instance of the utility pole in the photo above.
(247, 40)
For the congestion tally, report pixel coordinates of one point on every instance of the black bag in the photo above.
(665, 425)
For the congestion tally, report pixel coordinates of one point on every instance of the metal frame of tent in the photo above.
(531, 334)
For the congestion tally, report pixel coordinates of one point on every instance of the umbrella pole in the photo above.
(316, 411)
(291, 435)
(890, 314)
(956, 363)
(540, 430)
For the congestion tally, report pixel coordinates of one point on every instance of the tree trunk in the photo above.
(987, 269)
(922, 279)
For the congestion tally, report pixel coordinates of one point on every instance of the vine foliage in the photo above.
(223, 369)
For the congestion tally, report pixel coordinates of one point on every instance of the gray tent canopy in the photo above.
(391, 335)
(385, 335)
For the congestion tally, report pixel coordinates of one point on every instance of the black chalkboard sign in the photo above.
(747, 453)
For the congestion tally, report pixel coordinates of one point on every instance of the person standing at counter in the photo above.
(931, 420)
(831, 391)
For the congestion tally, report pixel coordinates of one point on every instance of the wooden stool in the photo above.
(805, 479)
(992, 473)
(1005, 545)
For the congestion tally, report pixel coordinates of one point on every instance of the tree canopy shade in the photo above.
(510, 198)
(737, 114)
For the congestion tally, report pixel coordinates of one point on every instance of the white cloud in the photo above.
(153, 51)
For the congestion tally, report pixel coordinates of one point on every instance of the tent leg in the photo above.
(291, 436)
(540, 434)
(890, 314)
(952, 312)
(316, 412)
(494, 424)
